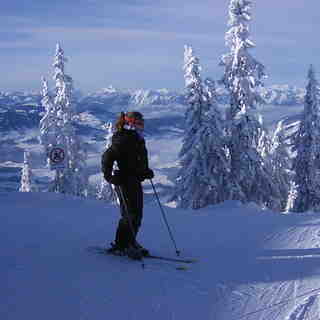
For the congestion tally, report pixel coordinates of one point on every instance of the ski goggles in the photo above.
(139, 123)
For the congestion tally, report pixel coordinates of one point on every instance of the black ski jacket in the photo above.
(128, 149)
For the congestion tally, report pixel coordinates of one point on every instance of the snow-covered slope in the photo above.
(245, 270)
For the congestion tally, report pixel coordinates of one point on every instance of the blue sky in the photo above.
(139, 43)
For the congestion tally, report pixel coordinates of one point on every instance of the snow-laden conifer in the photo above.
(105, 190)
(210, 93)
(73, 178)
(49, 121)
(250, 176)
(201, 180)
(281, 168)
(292, 196)
(27, 183)
(213, 132)
(306, 165)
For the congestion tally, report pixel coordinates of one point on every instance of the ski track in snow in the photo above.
(301, 311)
(280, 292)
(225, 284)
(281, 298)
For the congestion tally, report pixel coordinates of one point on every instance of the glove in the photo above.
(148, 174)
(115, 179)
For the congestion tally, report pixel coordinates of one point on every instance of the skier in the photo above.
(129, 151)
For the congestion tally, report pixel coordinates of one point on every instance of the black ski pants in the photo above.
(130, 195)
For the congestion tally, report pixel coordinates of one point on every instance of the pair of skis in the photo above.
(183, 262)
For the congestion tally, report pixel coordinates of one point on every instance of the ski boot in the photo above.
(134, 253)
(116, 250)
(144, 251)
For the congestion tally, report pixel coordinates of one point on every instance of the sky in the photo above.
(139, 43)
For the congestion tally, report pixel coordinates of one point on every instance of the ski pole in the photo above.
(115, 197)
(164, 217)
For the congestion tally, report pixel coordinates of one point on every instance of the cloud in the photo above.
(108, 37)
(140, 42)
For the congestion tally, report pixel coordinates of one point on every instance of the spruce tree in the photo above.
(213, 132)
(281, 168)
(306, 164)
(73, 178)
(49, 122)
(250, 176)
(27, 181)
(199, 182)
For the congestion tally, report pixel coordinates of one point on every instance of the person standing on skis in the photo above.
(129, 151)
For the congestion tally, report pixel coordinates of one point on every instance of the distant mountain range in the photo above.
(276, 95)
(20, 113)
(23, 109)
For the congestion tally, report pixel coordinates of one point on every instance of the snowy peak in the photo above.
(20, 98)
(108, 90)
(156, 97)
(276, 95)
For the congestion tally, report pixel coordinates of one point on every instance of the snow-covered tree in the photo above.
(281, 168)
(201, 180)
(213, 132)
(105, 190)
(27, 181)
(250, 176)
(307, 146)
(210, 91)
(292, 196)
(49, 122)
(73, 178)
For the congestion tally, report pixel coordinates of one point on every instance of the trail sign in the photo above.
(57, 157)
